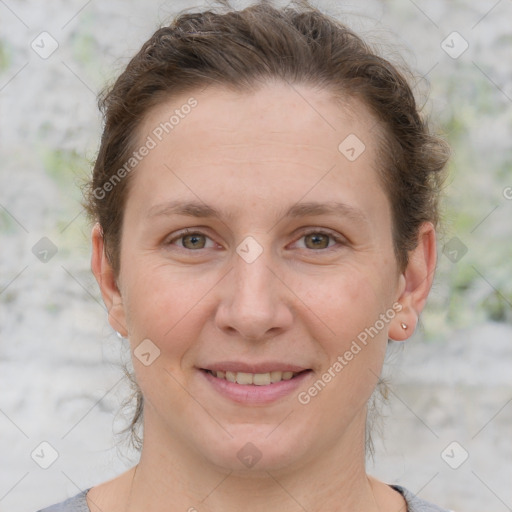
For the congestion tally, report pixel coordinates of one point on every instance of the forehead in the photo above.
(252, 157)
(267, 149)
(282, 117)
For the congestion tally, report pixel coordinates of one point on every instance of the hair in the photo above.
(241, 50)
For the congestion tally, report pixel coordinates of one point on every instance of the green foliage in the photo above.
(478, 127)
(4, 57)
(7, 223)
(66, 167)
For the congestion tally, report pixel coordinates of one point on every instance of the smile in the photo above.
(258, 388)
(256, 379)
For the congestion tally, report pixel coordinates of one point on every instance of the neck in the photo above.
(334, 479)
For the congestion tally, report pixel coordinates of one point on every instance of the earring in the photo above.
(119, 335)
(403, 326)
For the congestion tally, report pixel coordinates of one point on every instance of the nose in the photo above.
(255, 303)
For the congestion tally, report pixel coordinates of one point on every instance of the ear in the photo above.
(415, 284)
(104, 274)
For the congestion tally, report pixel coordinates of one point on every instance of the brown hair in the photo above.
(242, 49)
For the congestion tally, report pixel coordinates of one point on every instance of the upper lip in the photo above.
(264, 367)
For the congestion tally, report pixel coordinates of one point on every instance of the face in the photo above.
(255, 250)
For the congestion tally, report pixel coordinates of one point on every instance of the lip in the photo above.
(264, 367)
(251, 394)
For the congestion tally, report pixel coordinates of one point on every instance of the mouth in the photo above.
(262, 386)
(255, 379)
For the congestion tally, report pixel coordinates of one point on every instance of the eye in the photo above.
(190, 240)
(319, 239)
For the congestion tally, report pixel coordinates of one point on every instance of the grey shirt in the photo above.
(79, 504)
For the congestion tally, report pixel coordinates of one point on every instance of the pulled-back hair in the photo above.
(243, 50)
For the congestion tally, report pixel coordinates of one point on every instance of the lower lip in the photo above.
(251, 394)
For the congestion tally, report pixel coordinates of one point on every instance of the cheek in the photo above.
(347, 301)
(355, 342)
(167, 308)
(354, 339)
(164, 306)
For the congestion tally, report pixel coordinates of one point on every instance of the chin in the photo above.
(253, 451)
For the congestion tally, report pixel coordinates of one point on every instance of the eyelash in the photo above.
(338, 239)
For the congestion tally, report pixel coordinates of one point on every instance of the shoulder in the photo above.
(415, 504)
(77, 503)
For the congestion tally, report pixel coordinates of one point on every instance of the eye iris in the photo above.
(319, 240)
(193, 239)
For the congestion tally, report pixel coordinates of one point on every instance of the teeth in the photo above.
(244, 378)
(276, 376)
(261, 379)
(257, 379)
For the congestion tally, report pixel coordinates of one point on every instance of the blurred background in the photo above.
(446, 432)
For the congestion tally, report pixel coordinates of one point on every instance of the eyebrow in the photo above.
(304, 209)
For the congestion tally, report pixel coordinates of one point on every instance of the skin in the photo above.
(251, 156)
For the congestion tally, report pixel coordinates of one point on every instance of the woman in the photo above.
(265, 205)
